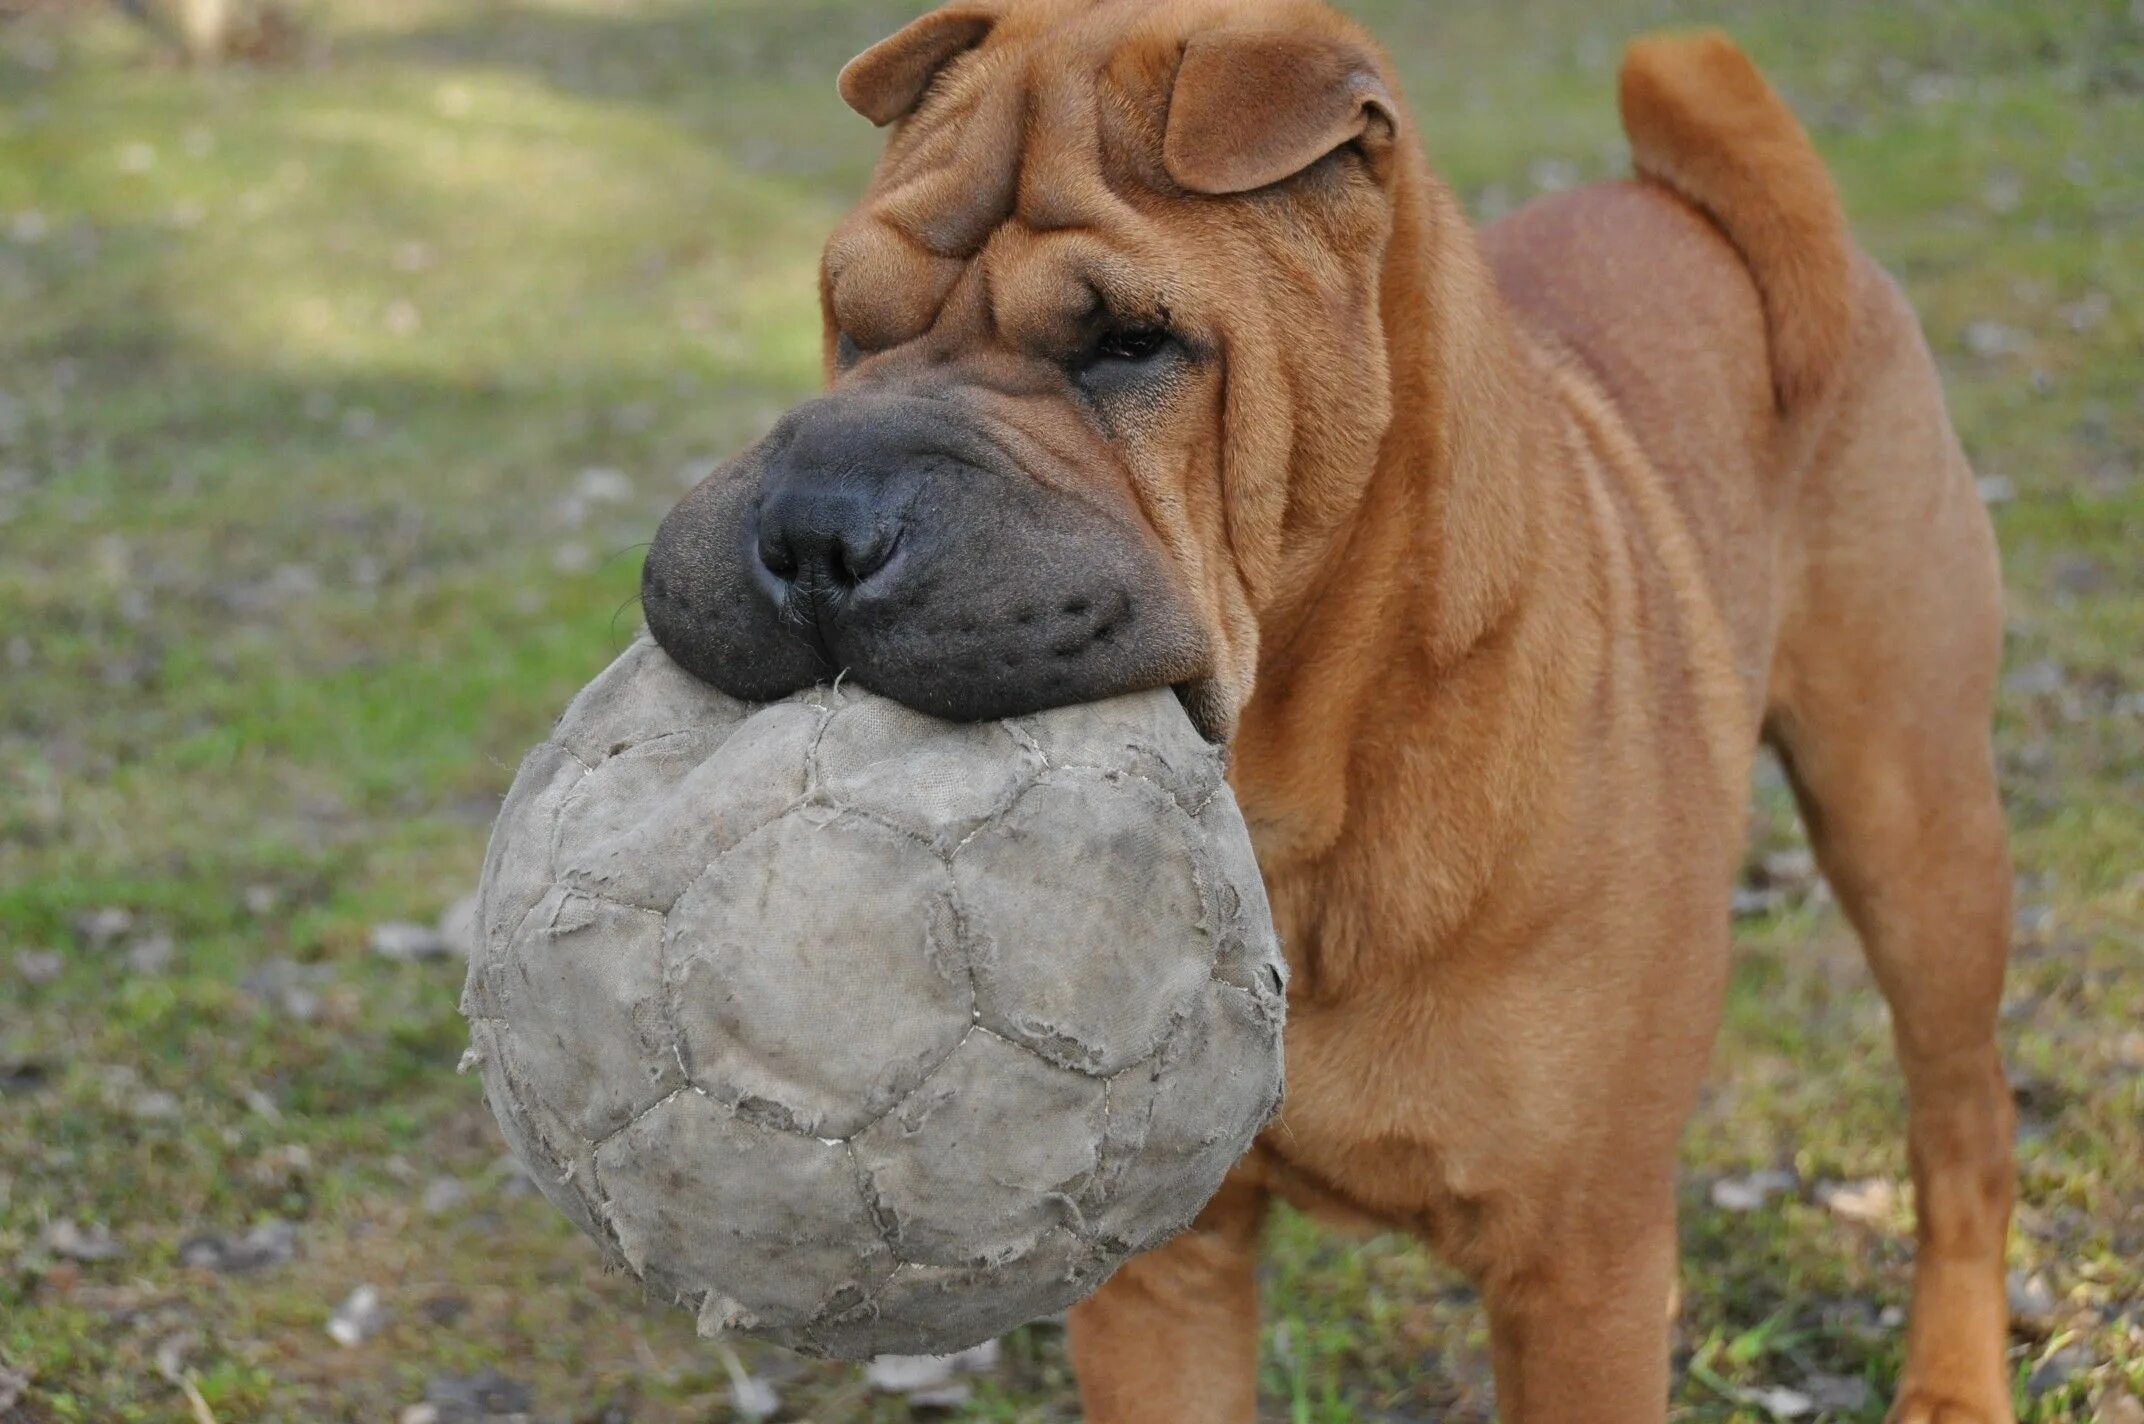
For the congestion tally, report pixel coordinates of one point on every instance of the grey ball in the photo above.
(862, 1031)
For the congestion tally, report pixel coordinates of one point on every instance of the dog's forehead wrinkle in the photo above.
(1012, 190)
(1060, 177)
(1031, 154)
(1031, 126)
(959, 182)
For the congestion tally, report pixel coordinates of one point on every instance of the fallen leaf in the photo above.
(2120, 1407)
(1843, 1394)
(1991, 339)
(269, 1244)
(2057, 1370)
(404, 942)
(2082, 316)
(601, 484)
(1780, 1402)
(751, 1397)
(467, 1399)
(1751, 1192)
(1791, 869)
(360, 1317)
(39, 966)
(444, 1194)
(13, 1385)
(171, 1353)
(1869, 1203)
(150, 954)
(2041, 679)
(904, 1374)
(64, 1238)
(1754, 903)
(2032, 1302)
(100, 927)
(916, 1374)
(458, 927)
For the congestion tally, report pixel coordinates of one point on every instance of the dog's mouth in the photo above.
(1211, 710)
(886, 537)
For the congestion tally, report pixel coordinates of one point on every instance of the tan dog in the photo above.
(1497, 555)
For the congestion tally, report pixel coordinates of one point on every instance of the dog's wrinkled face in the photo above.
(1105, 361)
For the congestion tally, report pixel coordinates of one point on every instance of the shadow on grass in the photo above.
(754, 79)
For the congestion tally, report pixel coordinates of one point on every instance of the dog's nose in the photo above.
(824, 535)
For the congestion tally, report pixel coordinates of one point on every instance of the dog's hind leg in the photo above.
(1883, 685)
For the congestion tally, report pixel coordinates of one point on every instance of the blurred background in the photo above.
(349, 348)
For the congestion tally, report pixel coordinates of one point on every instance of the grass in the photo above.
(303, 373)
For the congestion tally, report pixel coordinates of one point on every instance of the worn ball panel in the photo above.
(1235, 891)
(580, 990)
(644, 824)
(1089, 970)
(920, 1308)
(920, 1161)
(937, 780)
(517, 864)
(559, 1162)
(862, 1031)
(1211, 1075)
(764, 1227)
(639, 697)
(796, 995)
(1145, 736)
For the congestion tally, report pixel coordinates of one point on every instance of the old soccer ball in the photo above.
(862, 1031)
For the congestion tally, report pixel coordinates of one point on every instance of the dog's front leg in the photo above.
(1582, 1336)
(1173, 1337)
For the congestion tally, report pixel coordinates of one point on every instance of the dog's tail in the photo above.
(1703, 121)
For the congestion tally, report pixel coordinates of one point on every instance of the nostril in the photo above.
(777, 557)
(856, 561)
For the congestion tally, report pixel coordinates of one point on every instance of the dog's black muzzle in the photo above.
(893, 538)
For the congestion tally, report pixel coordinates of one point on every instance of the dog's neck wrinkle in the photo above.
(1433, 560)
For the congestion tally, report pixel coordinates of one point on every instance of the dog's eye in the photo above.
(1129, 343)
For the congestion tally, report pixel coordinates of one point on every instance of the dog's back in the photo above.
(1778, 383)
(1713, 299)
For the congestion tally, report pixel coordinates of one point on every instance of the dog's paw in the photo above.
(1921, 1406)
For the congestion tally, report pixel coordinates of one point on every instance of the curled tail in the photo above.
(1704, 122)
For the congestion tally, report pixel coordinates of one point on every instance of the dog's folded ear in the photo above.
(1252, 107)
(888, 80)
